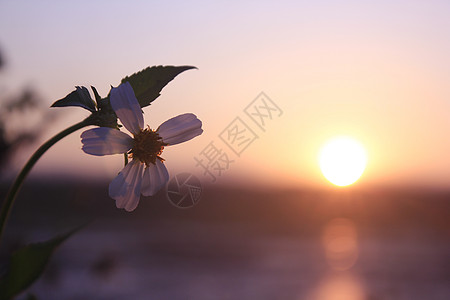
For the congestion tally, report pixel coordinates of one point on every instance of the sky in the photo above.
(374, 70)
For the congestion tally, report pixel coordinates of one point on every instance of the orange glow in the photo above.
(340, 286)
(340, 242)
(342, 160)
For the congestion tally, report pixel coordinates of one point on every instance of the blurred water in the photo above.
(224, 261)
(230, 248)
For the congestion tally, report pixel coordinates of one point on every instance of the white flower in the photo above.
(145, 174)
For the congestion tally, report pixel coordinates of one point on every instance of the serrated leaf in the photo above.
(27, 264)
(148, 83)
(80, 97)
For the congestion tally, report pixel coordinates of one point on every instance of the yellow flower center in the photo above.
(147, 146)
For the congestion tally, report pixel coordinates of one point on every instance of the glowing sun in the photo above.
(342, 160)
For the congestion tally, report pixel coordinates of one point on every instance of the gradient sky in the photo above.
(375, 70)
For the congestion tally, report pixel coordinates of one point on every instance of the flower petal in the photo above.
(126, 187)
(155, 177)
(180, 129)
(127, 107)
(104, 141)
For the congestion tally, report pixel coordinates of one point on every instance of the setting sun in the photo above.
(342, 160)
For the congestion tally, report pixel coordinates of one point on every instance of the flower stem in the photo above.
(10, 198)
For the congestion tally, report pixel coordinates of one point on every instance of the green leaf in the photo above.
(148, 83)
(80, 97)
(27, 264)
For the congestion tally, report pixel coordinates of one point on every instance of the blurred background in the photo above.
(269, 225)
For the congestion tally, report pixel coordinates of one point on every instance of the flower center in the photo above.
(147, 146)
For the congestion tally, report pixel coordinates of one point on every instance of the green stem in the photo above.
(10, 198)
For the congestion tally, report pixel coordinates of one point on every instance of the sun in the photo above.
(342, 160)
